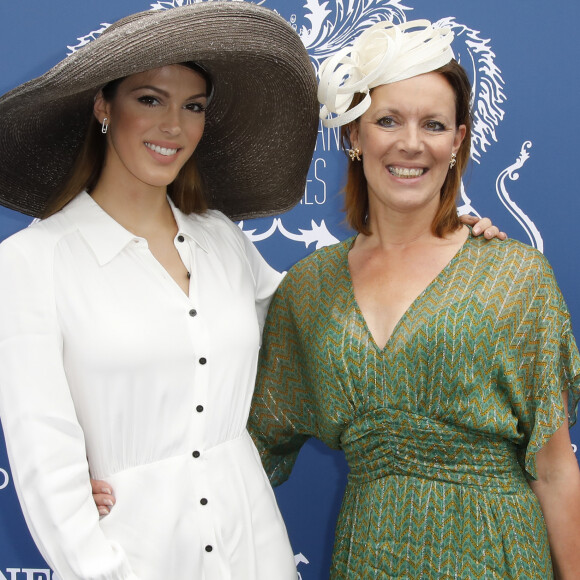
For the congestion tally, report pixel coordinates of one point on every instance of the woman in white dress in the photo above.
(130, 316)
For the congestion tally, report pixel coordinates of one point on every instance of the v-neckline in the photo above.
(414, 304)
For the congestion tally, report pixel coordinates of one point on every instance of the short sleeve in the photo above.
(44, 440)
(553, 368)
(282, 416)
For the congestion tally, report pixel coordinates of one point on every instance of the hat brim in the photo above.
(261, 123)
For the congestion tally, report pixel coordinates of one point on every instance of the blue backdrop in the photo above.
(522, 60)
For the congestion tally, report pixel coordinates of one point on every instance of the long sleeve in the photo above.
(45, 442)
(266, 279)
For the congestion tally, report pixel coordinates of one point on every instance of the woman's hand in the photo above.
(483, 225)
(103, 496)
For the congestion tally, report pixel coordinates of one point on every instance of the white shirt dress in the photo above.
(106, 365)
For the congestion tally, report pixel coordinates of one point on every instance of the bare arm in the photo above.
(558, 491)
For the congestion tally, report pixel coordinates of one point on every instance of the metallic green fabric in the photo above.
(441, 427)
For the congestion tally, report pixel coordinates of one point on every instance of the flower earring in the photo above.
(105, 125)
(453, 161)
(354, 154)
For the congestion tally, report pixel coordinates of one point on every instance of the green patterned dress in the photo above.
(441, 427)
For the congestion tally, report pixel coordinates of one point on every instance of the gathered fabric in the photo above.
(403, 443)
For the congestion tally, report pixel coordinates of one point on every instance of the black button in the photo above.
(180, 238)
(208, 548)
(193, 312)
(196, 454)
(188, 275)
(202, 360)
(203, 501)
(199, 408)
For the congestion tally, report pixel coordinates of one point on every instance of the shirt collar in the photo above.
(191, 226)
(107, 238)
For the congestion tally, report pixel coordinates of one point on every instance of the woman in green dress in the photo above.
(442, 364)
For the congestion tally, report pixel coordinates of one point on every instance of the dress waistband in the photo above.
(394, 442)
(235, 449)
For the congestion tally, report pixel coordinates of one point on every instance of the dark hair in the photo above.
(186, 191)
(445, 220)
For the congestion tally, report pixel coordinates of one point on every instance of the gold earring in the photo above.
(354, 154)
(105, 125)
(453, 161)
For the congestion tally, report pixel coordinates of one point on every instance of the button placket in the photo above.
(199, 387)
(184, 250)
(199, 342)
(201, 357)
(203, 513)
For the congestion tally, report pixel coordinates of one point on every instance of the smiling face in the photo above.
(406, 138)
(156, 120)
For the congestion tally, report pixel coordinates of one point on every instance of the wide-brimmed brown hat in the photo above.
(261, 122)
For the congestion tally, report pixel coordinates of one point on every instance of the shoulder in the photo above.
(323, 265)
(38, 240)
(516, 268)
(221, 237)
(27, 265)
(324, 258)
(211, 218)
(216, 226)
(510, 254)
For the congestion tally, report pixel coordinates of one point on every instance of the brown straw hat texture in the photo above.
(261, 123)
